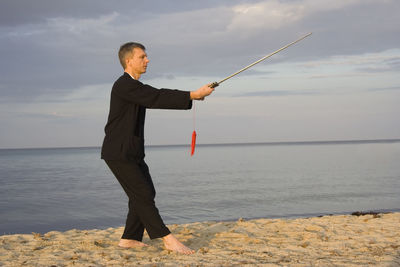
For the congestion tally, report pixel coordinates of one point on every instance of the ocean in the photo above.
(65, 188)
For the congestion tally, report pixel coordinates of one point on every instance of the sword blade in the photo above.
(215, 84)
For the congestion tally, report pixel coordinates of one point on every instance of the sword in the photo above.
(215, 84)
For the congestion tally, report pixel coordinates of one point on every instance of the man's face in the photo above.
(138, 62)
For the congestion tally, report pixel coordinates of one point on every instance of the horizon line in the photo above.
(348, 141)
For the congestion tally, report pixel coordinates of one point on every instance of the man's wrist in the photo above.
(193, 95)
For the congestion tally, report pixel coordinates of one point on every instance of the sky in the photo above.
(59, 61)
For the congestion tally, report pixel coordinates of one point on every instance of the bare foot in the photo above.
(173, 244)
(130, 243)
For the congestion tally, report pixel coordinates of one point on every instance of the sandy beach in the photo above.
(340, 240)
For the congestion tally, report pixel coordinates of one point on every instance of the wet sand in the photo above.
(340, 240)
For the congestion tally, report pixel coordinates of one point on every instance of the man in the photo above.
(123, 146)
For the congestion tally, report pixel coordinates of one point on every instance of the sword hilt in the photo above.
(214, 84)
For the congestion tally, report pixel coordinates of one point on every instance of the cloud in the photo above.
(20, 12)
(60, 58)
(386, 57)
(275, 93)
(64, 50)
(276, 14)
(265, 15)
(53, 117)
(355, 65)
(55, 56)
(390, 64)
(395, 88)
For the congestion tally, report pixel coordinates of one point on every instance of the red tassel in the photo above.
(193, 142)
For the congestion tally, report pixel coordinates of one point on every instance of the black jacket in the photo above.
(124, 138)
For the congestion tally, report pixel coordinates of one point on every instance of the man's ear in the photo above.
(127, 59)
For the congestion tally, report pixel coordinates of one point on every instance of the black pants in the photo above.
(143, 214)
